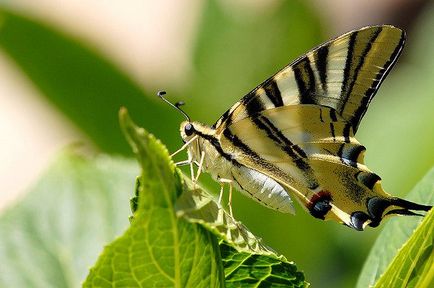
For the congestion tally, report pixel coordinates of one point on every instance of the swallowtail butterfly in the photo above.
(293, 135)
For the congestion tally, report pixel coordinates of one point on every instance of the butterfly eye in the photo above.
(188, 129)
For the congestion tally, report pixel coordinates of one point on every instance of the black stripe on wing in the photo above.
(305, 79)
(349, 63)
(321, 65)
(370, 93)
(294, 151)
(388, 43)
(353, 65)
(349, 154)
(258, 160)
(273, 93)
(253, 105)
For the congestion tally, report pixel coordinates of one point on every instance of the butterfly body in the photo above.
(294, 133)
(222, 165)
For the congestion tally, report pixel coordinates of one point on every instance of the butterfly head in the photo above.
(188, 131)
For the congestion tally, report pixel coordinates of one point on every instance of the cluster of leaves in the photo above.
(178, 236)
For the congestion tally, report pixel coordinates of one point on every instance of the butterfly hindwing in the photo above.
(297, 146)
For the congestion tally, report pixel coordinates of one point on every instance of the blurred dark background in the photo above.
(67, 67)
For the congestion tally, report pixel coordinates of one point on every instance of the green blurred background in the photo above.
(67, 69)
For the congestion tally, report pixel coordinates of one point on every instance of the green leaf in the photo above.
(159, 249)
(52, 236)
(395, 233)
(157, 252)
(247, 269)
(198, 206)
(414, 264)
(247, 261)
(88, 88)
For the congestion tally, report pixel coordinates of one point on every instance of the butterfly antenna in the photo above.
(176, 105)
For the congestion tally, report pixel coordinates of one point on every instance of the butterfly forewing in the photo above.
(343, 74)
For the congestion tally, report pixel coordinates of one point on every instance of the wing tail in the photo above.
(379, 208)
(405, 207)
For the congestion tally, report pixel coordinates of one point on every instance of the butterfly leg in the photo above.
(190, 162)
(221, 193)
(222, 182)
(230, 200)
(183, 163)
(190, 158)
(200, 166)
(183, 146)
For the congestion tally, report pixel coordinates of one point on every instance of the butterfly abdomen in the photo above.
(262, 189)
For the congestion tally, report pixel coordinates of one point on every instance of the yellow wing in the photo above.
(298, 127)
(305, 148)
(344, 74)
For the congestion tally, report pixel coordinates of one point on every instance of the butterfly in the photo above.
(293, 135)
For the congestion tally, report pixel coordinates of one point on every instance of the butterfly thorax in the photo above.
(206, 141)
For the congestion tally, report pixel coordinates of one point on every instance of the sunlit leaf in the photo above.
(159, 249)
(414, 264)
(395, 233)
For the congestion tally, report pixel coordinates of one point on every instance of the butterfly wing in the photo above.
(298, 127)
(296, 146)
(343, 74)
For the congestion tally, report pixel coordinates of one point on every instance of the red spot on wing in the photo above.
(321, 195)
(319, 205)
